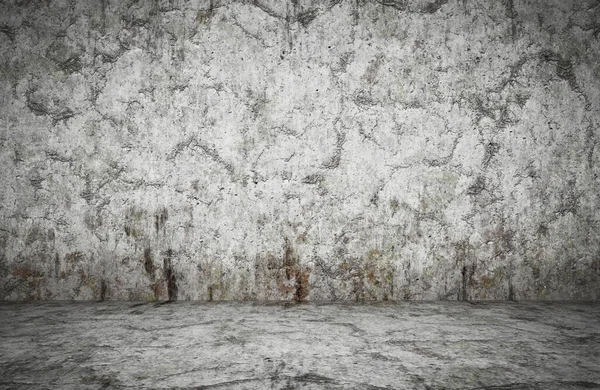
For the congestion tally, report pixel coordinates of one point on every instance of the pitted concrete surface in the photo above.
(299, 149)
(185, 345)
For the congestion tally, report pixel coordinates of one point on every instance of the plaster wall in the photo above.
(308, 150)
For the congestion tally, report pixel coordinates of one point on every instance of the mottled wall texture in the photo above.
(300, 149)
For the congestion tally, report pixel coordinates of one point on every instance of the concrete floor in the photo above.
(184, 345)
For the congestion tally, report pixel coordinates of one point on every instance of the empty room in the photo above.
(300, 194)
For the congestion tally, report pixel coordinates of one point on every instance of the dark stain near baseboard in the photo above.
(148, 264)
(172, 288)
(103, 290)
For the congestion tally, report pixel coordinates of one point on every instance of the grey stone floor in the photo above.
(184, 345)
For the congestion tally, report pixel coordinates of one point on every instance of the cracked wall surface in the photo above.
(308, 150)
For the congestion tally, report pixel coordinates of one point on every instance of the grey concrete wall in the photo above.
(385, 149)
